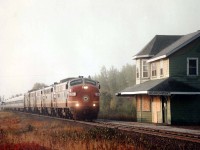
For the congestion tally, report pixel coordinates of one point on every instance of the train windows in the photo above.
(87, 81)
(76, 82)
(48, 91)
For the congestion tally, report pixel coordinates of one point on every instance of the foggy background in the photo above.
(49, 40)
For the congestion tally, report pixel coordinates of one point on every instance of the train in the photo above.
(72, 98)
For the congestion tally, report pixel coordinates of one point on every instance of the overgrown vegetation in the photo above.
(113, 81)
(26, 132)
(31, 133)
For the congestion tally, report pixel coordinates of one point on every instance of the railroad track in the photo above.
(130, 128)
(152, 131)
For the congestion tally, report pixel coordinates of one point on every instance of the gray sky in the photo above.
(48, 40)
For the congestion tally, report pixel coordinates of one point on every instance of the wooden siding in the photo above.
(168, 111)
(178, 63)
(165, 68)
(138, 103)
(144, 117)
(156, 110)
(158, 66)
(185, 109)
(144, 102)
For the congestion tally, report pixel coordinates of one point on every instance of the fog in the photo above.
(46, 41)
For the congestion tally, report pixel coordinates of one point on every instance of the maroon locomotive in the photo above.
(76, 98)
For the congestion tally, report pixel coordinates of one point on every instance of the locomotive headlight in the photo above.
(77, 105)
(85, 87)
(94, 105)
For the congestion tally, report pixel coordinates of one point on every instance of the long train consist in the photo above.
(73, 98)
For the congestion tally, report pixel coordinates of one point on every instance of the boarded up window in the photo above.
(156, 104)
(146, 103)
(138, 103)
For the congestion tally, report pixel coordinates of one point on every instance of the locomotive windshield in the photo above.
(76, 82)
(87, 81)
(80, 81)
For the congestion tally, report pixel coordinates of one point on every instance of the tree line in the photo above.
(112, 81)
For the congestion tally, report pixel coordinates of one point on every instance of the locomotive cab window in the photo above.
(87, 81)
(76, 82)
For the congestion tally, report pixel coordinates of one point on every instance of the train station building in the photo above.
(167, 86)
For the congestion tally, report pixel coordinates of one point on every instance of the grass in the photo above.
(27, 132)
(23, 132)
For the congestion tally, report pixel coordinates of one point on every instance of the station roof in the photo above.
(175, 46)
(167, 86)
(162, 46)
(158, 43)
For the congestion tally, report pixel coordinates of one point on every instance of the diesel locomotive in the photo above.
(72, 98)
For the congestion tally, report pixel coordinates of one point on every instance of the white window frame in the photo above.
(147, 69)
(152, 69)
(197, 67)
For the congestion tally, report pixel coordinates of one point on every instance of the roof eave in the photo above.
(175, 49)
(184, 44)
(131, 93)
(149, 93)
(142, 56)
(157, 58)
(185, 93)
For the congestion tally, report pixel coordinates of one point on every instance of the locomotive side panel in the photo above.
(32, 102)
(38, 101)
(48, 97)
(61, 95)
(26, 101)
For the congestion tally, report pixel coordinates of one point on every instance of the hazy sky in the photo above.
(48, 40)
